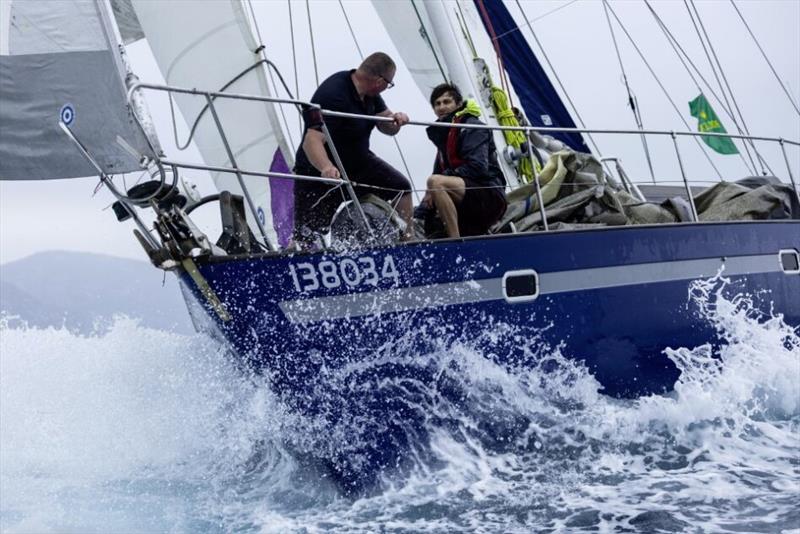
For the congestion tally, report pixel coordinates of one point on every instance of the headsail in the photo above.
(61, 61)
(410, 29)
(216, 50)
(539, 99)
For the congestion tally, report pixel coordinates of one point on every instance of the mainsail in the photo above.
(218, 50)
(61, 61)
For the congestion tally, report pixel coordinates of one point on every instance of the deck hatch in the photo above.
(521, 286)
(790, 261)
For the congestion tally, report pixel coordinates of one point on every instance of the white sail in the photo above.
(60, 61)
(209, 53)
(409, 27)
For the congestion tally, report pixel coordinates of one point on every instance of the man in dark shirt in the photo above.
(355, 91)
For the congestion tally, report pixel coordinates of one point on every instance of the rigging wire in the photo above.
(560, 84)
(262, 50)
(540, 17)
(462, 23)
(294, 62)
(684, 57)
(727, 85)
(313, 48)
(728, 108)
(631, 99)
(352, 34)
(664, 90)
(788, 95)
(361, 55)
(426, 36)
(495, 45)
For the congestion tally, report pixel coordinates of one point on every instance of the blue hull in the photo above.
(612, 298)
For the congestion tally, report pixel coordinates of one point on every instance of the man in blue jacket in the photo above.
(466, 187)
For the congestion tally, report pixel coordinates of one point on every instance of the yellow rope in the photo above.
(506, 117)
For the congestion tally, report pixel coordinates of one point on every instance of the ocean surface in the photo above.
(139, 430)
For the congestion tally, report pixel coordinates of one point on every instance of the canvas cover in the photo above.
(576, 194)
(61, 61)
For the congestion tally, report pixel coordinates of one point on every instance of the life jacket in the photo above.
(454, 160)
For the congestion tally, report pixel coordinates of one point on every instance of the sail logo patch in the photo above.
(261, 216)
(67, 114)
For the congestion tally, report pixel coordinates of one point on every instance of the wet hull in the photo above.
(611, 299)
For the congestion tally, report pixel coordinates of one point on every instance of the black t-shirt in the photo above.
(350, 136)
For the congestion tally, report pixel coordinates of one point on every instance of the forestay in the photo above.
(61, 61)
(208, 52)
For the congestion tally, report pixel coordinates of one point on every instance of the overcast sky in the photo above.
(64, 214)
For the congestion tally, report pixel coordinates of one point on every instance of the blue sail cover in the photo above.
(537, 95)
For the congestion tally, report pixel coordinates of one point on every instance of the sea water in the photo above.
(138, 430)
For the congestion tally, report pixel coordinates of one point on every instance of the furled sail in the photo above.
(217, 50)
(61, 61)
(539, 99)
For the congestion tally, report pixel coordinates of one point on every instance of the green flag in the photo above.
(707, 121)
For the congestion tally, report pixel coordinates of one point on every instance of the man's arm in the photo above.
(391, 128)
(314, 147)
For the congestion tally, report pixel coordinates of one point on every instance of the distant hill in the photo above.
(81, 291)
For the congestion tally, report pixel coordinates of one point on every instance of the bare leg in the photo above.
(446, 192)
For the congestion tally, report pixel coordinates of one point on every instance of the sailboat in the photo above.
(340, 330)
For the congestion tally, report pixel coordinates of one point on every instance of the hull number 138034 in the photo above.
(351, 272)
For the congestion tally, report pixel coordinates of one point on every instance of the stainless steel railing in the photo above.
(528, 129)
(211, 96)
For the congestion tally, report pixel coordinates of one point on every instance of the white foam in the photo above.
(137, 429)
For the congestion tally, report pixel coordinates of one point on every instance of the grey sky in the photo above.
(64, 215)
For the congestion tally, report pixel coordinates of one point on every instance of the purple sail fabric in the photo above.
(282, 204)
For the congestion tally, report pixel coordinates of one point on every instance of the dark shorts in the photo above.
(316, 203)
(480, 208)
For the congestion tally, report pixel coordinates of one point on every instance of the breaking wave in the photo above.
(140, 430)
